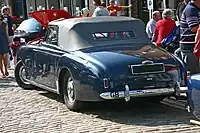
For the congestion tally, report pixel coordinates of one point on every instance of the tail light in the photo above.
(171, 68)
(105, 83)
(188, 75)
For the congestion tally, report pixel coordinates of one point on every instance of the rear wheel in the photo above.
(20, 76)
(69, 93)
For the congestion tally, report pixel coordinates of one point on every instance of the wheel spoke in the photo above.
(22, 75)
(70, 90)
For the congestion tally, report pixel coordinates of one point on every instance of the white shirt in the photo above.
(150, 28)
(100, 11)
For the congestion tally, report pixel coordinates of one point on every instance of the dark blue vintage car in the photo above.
(96, 59)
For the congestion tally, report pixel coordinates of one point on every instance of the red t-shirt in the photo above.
(163, 28)
(197, 45)
(114, 10)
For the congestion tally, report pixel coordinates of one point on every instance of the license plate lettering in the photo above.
(114, 94)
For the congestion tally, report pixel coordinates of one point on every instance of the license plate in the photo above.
(147, 69)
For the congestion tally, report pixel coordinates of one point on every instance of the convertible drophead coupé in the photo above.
(97, 59)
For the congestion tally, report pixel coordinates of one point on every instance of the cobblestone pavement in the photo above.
(39, 111)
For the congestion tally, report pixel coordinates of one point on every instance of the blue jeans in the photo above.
(192, 62)
(178, 53)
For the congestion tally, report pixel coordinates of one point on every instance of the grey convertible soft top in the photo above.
(79, 33)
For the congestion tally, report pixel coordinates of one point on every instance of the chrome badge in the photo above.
(146, 62)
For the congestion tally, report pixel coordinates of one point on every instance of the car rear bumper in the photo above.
(127, 94)
(183, 89)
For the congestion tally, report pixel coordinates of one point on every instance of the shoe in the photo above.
(11, 58)
(6, 74)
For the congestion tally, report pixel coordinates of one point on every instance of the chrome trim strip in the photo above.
(183, 89)
(137, 93)
(170, 65)
(105, 80)
(147, 62)
(127, 96)
(57, 86)
(148, 65)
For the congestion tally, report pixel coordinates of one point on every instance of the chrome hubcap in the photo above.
(22, 76)
(70, 90)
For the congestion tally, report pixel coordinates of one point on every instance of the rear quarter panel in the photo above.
(87, 81)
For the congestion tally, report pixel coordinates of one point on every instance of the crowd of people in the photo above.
(188, 17)
(102, 10)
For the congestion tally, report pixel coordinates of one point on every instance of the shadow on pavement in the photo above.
(136, 112)
(139, 112)
(7, 82)
(51, 95)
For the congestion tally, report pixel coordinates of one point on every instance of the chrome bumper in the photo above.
(136, 93)
(183, 89)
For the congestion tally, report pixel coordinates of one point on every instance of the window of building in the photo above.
(163, 4)
(67, 5)
(40, 4)
(74, 6)
(19, 8)
(54, 3)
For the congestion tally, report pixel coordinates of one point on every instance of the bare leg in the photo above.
(8, 62)
(15, 60)
(1, 64)
(5, 63)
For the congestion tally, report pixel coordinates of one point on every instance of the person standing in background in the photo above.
(152, 24)
(8, 19)
(85, 12)
(188, 28)
(4, 47)
(164, 27)
(197, 44)
(113, 9)
(99, 10)
(181, 6)
(179, 11)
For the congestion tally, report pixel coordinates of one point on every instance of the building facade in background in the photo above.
(160, 5)
(20, 8)
(71, 6)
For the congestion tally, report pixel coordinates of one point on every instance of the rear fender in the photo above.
(23, 52)
(74, 64)
(87, 83)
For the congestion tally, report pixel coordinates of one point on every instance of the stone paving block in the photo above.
(30, 111)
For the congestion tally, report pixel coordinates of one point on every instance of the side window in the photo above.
(52, 35)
